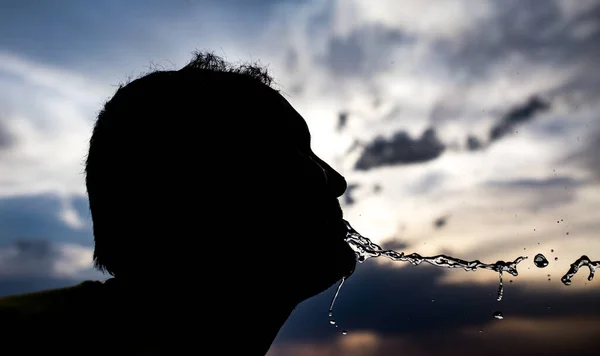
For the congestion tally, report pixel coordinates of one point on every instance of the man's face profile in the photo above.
(312, 192)
(239, 155)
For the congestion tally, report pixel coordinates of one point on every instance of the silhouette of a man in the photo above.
(211, 213)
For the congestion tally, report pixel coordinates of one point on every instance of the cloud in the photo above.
(587, 156)
(394, 244)
(43, 258)
(540, 193)
(45, 216)
(348, 197)
(473, 143)
(400, 149)
(364, 51)
(50, 113)
(518, 336)
(440, 222)
(342, 120)
(389, 301)
(553, 182)
(517, 116)
(7, 139)
(526, 32)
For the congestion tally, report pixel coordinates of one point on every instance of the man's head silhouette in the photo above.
(203, 188)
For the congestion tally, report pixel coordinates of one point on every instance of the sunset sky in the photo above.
(467, 127)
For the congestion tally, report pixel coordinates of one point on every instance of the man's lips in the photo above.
(343, 229)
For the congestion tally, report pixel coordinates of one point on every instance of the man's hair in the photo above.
(152, 127)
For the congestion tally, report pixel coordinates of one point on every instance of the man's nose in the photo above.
(336, 183)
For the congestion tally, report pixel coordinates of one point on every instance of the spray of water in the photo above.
(365, 249)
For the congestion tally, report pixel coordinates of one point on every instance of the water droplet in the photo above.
(433, 300)
(540, 261)
(555, 258)
(558, 222)
(510, 281)
(332, 322)
(524, 248)
(480, 330)
(344, 332)
(552, 250)
(498, 315)
(548, 279)
(561, 220)
(567, 233)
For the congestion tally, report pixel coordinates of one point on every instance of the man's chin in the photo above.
(347, 258)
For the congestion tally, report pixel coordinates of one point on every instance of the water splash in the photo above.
(500, 288)
(581, 262)
(365, 249)
(337, 292)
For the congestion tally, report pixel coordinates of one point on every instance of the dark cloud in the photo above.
(591, 152)
(376, 188)
(28, 257)
(554, 182)
(588, 156)
(400, 149)
(517, 116)
(394, 244)
(342, 121)
(7, 139)
(548, 336)
(364, 52)
(348, 194)
(440, 222)
(409, 301)
(36, 249)
(349, 197)
(37, 217)
(473, 143)
(539, 194)
(524, 29)
(355, 145)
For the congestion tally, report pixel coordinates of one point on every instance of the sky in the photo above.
(468, 127)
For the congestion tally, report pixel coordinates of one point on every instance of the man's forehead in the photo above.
(292, 118)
